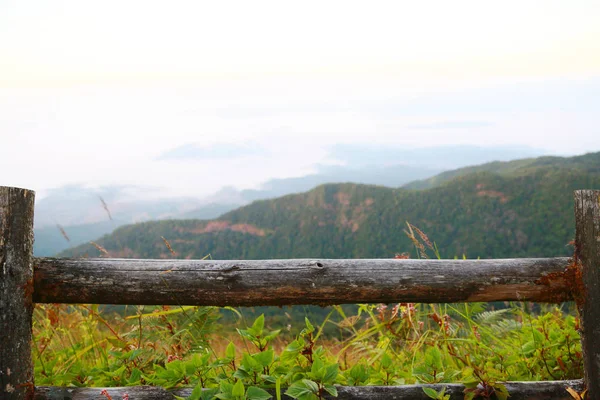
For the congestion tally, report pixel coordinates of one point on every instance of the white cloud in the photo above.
(95, 92)
(113, 135)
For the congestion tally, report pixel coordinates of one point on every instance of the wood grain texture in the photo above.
(16, 288)
(550, 390)
(299, 281)
(587, 239)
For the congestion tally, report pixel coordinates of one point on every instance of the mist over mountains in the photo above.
(79, 211)
(522, 208)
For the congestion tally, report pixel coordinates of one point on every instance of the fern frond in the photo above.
(487, 317)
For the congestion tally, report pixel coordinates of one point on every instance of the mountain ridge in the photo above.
(517, 211)
(79, 210)
(585, 161)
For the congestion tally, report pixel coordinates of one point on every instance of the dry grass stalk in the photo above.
(63, 233)
(100, 248)
(168, 245)
(421, 253)
(423, 236)
(105, 206)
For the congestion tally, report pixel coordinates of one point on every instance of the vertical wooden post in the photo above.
(587, 239)
(16, 289)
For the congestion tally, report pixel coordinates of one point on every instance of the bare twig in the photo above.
(168, 245)
(63, 233)
(100, 248)
(105, 206)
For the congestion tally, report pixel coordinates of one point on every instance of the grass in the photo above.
(378, 345)
(480, 345)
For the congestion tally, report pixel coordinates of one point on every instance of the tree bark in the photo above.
(16, 289)
(289, 282)
(587, 257)
(550, 390)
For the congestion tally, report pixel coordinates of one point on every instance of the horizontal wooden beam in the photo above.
(550, 390)
(298, 281)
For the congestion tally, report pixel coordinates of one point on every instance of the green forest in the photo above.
(521, 208)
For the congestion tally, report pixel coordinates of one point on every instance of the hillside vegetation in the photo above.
(495, 210)
(587, 162)
(522, 208)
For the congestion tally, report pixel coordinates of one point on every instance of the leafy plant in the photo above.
(480, 345)
(441, 395)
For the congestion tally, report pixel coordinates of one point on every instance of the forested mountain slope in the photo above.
(522, 208)
(587, 162)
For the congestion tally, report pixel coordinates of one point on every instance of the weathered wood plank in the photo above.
(299, 281)
(16, 288)
(587, 239)
(550, 390)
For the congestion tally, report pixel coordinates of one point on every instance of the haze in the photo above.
(187, 97)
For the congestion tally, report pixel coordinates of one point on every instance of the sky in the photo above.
(189, 96)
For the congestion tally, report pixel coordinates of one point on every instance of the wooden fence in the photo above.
(25, 280)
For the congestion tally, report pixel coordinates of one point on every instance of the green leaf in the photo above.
(317, 370)
(225, 387)
(331, 390)
(248, 334)
(230, 351)
(241, 374)
(135, 376)
(469, 395)
(272, 335)
(134, 353)
(298, 390)
(292, 350)
(472, 384)
(209, 394)
(238, 390)
(251, 364)
(529, 347)
(501, 392)
(176, 365)
(255, 393)
(467, 372)
(313, 386)
(196, 393)
(331, 373)
(433, 357)
(259, 324)
(309, 327)
(386, 361)
(430, 392)
(264, 358)
(296, 345)
(359, 373)
(538, 336)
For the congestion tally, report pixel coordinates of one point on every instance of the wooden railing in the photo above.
(25, 280)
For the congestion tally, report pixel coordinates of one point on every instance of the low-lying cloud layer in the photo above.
(180, 140)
